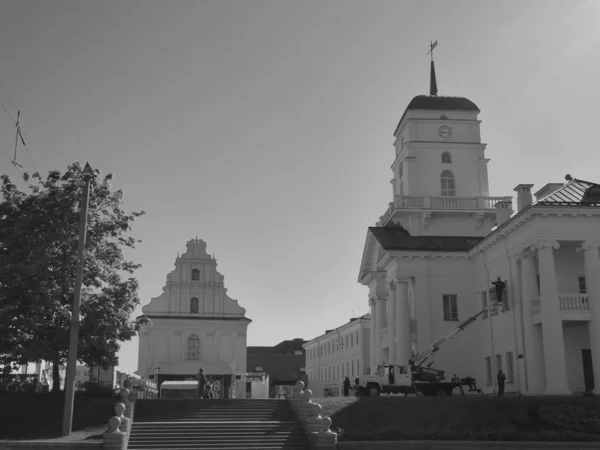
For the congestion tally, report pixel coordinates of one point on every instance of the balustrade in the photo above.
(567, 303)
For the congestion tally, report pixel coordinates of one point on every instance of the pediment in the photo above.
(373, 252)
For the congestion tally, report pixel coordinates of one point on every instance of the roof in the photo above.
(397, 238)
(366, 316)
(439, 102)
(281, 368)
(574, 193)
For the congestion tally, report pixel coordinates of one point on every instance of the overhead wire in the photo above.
(18, 125)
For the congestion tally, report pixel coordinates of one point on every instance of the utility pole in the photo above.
(88, 173)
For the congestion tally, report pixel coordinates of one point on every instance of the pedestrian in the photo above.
(501, 379)
(201, 382)
(346, 387)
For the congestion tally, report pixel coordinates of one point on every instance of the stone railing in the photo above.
(308, 413)
(573, 302)
(476, 203)
(119, 426)
(450, 203)
(567, 303)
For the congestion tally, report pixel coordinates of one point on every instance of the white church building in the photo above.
(194, 324)
(430, 261)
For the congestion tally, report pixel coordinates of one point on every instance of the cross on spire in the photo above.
(432, 80)
(432, 45)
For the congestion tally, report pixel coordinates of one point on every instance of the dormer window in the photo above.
(195, 275)
(446, 158)
(443, 117)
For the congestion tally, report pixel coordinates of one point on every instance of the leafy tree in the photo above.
(39, 233)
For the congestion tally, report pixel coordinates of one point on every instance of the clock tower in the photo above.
(440, 182)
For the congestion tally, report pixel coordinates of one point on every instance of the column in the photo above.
(381, 323)
(373, 343)
(403, 347)
(552, 329)
(533, 349)
(392, 323)
(591, 259)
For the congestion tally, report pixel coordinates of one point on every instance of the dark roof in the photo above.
(441, 103)
(574, 193)
(281, 368)
(397, 238)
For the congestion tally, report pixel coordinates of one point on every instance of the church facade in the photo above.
(194, 324)
(431, 260)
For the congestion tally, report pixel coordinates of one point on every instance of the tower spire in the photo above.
(432, 81)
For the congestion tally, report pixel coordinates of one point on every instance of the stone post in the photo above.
(125, 424)
(592, 281)
(313, 423)
(124, 398)
(552, 329)
(325, 438)
(297, 395)
(305, 406)
(392, 323)
(531, 333)
(113, 438)
(403, 347)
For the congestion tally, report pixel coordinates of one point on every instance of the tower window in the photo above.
(194, 305)
(401, 170)
(195, 274)
(448, 185)
(446, 158)
(193, 347)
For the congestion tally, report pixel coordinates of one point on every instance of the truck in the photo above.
(415, 377)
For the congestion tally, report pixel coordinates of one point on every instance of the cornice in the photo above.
(527, 215)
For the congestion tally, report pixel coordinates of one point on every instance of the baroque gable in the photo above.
(195, 288)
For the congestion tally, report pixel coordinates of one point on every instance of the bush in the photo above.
(18, 383)
(39, 415)
(464, 418)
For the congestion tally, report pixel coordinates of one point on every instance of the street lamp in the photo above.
(88, 174)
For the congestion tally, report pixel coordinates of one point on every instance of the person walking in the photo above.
(346, 387)
(501, 379)
(201, 383)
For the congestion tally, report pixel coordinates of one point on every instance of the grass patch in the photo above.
(465, 418)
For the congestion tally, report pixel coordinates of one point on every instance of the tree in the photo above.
(39, 231)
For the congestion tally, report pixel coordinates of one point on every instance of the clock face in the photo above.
(445, 132)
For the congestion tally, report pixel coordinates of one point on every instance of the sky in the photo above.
(266, 127)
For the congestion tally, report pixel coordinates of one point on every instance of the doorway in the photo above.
(588, 370)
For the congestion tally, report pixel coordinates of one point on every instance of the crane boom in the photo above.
(420, 358)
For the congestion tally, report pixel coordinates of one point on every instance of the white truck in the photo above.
(414, 378)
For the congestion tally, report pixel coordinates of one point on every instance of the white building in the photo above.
(339, 353)
(430, 260)
(194, 324)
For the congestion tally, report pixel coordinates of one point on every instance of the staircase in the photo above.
(211, 424)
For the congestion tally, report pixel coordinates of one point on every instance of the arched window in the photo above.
(448, 186)
(195, 274)
(446, 158)
(193, 348)
(194, 305)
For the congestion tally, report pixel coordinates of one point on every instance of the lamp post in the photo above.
(88, 174)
